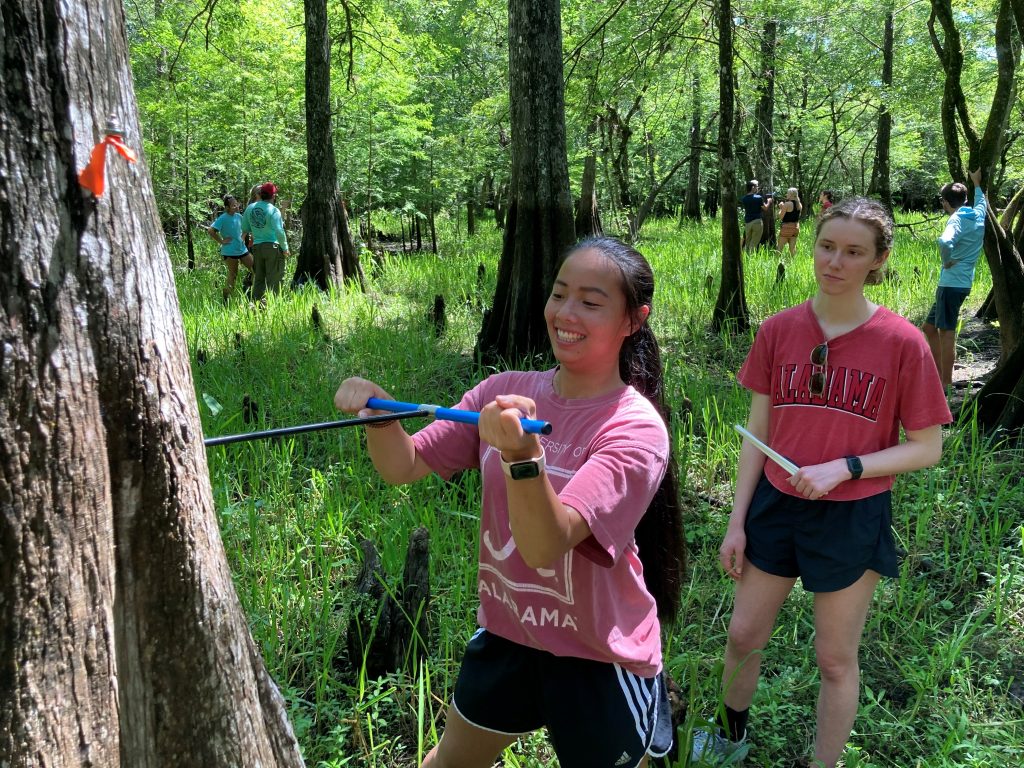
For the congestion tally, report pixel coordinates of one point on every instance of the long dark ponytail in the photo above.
(659, 534)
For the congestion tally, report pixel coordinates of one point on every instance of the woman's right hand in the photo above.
(353, 394)
(730, 554)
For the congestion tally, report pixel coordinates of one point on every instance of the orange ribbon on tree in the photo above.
(92, 176)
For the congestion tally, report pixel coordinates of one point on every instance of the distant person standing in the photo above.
(790, 209)
(269, 242)
(827, 200)
(959, 247)
(754, 207)
(226, 230)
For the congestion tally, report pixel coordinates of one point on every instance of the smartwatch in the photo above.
(855, 466)
(523, 470)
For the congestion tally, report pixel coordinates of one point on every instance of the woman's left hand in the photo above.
(500, 427)
(816, 480)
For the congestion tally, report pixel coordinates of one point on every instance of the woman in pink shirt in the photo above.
(581, 547)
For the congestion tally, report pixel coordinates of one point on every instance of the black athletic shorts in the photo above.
(828, 544)
(598, 715)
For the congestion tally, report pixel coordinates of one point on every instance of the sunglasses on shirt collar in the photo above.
(819, 372)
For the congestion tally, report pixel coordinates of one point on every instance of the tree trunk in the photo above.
(880, 181)
(470, 208)
(996, 405)
(190, 244)
(764, 128)
(430, 205)
(731, 305)
(322, 255)
(539, 221)
(691, 207)
(588, 218)
(124, 642)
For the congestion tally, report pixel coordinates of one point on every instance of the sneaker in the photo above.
(710, 748)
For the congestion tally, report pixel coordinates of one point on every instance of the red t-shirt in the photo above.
(605, 458)
(881, 375)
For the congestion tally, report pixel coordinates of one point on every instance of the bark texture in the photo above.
(539, 220)
(123, 640)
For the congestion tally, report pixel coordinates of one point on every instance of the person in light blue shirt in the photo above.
(263, 221)
(959, 247)
(226, 231)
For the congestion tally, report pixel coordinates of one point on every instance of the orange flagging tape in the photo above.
(92, 176)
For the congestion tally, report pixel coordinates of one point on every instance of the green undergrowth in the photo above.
(941, 655)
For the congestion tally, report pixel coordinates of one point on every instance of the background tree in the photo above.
(880, 182)
(731, 304)
(327, 254)
(539, 221)
(124, 642)
(1000, 400)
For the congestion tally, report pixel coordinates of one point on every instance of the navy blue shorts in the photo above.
(828, 544)
(239, 256)
(598, 715)
(945, 312)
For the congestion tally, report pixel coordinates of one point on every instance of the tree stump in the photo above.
(390, 626)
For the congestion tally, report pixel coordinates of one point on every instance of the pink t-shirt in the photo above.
(881, 375)
(605, 458)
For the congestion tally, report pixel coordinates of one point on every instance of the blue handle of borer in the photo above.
(533, 426)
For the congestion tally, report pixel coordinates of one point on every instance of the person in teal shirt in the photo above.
(226, 231)
(959, 247)
(263, 221)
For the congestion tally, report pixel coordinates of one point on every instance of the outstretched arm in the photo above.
(390, 447)
(980, 204)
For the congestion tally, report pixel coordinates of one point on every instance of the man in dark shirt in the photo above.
(754, 207)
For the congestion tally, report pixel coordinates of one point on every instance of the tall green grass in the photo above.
(942, 645)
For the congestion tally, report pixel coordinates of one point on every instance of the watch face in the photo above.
(524, 470)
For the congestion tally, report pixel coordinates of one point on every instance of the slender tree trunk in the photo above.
(731, 305)
(880, 183)
(323, 257)
(430, 205)
(539, 222)
(123, 640)
(470, 207)
(588, 218)
(189, 241)
(764, 129)
(691, 207)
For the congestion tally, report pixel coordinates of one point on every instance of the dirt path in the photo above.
(976, 357)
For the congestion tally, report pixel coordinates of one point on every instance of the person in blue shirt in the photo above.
(269, 243)
(226, 231)
(754, 207)
(959, 247)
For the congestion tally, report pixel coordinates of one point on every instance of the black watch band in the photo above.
(853, 463)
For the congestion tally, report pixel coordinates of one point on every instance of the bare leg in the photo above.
(947, 356)
(838, 624)
(931, 335)
(464, 745)
(759, 596)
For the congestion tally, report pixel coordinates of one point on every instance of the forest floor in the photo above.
(977, 356)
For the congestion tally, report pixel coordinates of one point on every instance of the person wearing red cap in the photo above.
(263, 221)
